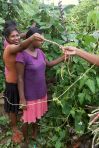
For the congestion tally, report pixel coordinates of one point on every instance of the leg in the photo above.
(35, 130)
(25, 131)
(9, 119)
(17, 135)
(13, 120)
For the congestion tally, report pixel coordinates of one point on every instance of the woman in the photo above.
(31, 66)
(7, 24)
(10, 23)
(11, 92)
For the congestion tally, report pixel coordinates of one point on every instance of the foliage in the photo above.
(6, 133)
(9, 10)
(93, 19)
(75, 83)
(77, 18)
(72, 106)
(27, 12)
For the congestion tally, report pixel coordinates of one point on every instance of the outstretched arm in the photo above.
(92, 58)
(55, 62)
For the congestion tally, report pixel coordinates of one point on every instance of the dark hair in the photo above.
(37, 24)
(9, 23)
(33, 30)
(9, 30)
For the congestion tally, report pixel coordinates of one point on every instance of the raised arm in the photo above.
(13, 49)
(23, 35)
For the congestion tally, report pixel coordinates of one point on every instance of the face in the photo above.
(14, 38)
(37, 44)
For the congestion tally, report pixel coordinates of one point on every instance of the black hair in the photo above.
(9, 30)
(33, 30)
(37, 24)
(9, 23)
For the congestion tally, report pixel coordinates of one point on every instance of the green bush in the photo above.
(75, 83)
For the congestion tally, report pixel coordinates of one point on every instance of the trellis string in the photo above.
(58, 96)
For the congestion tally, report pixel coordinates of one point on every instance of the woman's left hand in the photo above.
(23, 104)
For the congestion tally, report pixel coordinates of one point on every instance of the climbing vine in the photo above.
(72, 86)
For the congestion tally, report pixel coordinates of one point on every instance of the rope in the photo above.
(56, 97)
(76, 81)
(22, 104)
(60, 46)
(60, 126)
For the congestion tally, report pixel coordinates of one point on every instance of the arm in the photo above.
(92, 58)
(22, 35)
(55, 62)
(20, 72)
(13, 49)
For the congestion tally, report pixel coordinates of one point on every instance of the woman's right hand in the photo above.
(37, 36)
(23, 104)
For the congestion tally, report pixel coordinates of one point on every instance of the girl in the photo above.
(10, 23)
(31, 66)
(92, 58)
(11, 92)
(7, 24)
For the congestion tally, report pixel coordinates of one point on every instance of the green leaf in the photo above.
(88, 39)
(97, 79)
(89, 18)
(88, 97)
(15, 2)
(1, 20)
(81, 97)
(66, 108)
(58, 144)
(54, 138)
(91, 84)
(79, 124)
(82, 81)
(93, 18)
(62, 134)
(73, 112)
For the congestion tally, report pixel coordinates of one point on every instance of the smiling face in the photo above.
(14, 37)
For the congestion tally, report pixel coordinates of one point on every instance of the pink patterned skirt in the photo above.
(35, 110)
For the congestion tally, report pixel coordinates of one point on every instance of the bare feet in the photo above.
(17, 136)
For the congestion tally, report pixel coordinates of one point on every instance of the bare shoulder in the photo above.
(9, 49)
